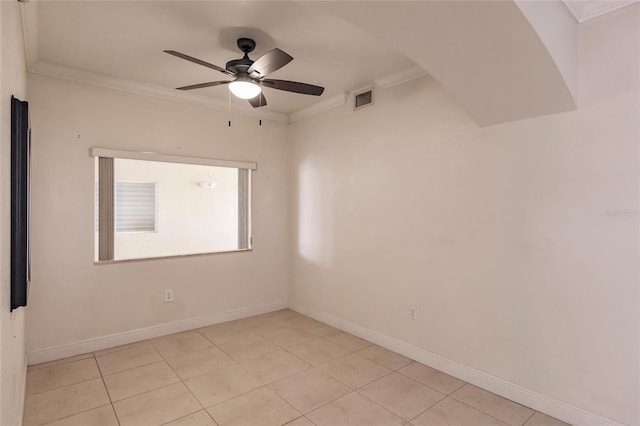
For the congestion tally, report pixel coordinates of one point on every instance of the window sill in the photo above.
(179, 256)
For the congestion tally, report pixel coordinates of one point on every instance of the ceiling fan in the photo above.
(250, 76)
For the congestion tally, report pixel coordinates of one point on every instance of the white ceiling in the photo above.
(122, 43)
(485, 53)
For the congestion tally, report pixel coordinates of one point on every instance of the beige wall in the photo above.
(72, 299)
(504, 238)
(13, 81)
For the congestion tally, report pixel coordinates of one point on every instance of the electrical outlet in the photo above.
(413, 313)
(168, 295)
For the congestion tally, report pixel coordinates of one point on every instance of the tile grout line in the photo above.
(148, 390)
(528, 418)
(481, 411)
(430, 387)
(230, 341)
(428, 408)
(379, 363)
(106, 389)
(190, 414)
(233, 359)
(444, 396)
(132, 368)
(357, 390)
(268, 386)
(37, 367)
(63, 386)
(119, 348)
(296, 419)
(165, 360)
(74, 414)
(395, 414)
(73, 384)
(375, 402)
(491, 415)
(350, 390)
(183, 383)
(221, 402)
(308, 364)
(115, 414)
(288, 403)
(327, 403)
(277, 321)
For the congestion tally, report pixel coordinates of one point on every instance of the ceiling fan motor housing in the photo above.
(246, 45)
(250, 75)
(240, 66)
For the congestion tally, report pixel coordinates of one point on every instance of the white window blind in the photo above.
(135, 206)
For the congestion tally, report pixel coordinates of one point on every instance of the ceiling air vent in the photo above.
(363, 98)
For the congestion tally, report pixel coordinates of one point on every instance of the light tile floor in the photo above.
(272, 369)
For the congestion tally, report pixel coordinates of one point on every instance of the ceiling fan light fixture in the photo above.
(244, 89)
(245, 86)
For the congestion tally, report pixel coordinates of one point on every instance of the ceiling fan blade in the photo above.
(199, 62)
(269, 62)
(202, 85)
(293, 86)
(258, 101)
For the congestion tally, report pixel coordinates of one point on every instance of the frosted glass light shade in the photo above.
(244, 89)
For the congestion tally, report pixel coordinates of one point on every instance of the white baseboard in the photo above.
(504, 388)
(23, 393)
(109, 341)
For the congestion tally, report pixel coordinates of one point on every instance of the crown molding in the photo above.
(324, 105)
(583, 10)
(29, 15)
(73, 74)
(52, 70)
(29, 18)
(386, 82)
(401, 76)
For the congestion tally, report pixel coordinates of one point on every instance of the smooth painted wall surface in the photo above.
(517, 243)
(485, 53)
(13, 81)
(558, 30)
(71, 298)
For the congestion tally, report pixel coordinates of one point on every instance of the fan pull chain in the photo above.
(260, 120)
(229, 114)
